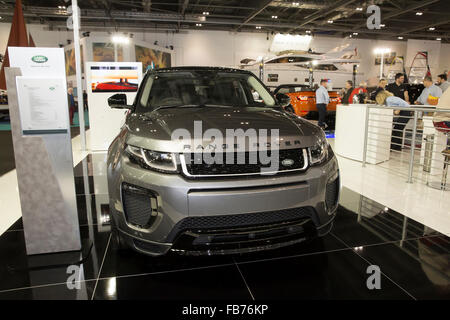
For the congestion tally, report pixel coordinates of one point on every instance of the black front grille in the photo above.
(137, 203)
(252, 163)
(240, 221)
(332, 193)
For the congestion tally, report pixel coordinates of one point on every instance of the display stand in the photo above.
(350, 133)
(105, 79)
(45, 178)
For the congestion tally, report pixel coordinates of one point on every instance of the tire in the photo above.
(117, 241)
(326, 231)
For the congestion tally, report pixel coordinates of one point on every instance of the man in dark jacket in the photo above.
(71, 102)
(399, 89)
(348, 92)
(85, 100)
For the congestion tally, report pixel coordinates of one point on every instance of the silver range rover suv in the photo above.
(208, 162)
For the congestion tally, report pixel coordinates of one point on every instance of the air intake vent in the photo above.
(332, 194)
(140, 205)
(239, 221)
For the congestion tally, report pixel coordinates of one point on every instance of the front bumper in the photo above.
(230, 215)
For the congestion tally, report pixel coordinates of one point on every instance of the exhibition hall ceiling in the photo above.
(400, 19)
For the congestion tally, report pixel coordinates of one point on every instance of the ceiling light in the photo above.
(359, 9)
(438, 39)
(431, 28)
(117, 38)
(330, 21)
(382, 50)
(274, 17)
(419, 13)
(400, 38)
(205, 13)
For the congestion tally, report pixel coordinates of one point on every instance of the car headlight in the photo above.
(159, 161)
(319, 152)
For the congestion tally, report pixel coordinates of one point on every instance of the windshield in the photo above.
(203, 88)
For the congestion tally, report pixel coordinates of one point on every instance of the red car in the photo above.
(122, 86)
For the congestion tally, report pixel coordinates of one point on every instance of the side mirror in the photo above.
(283, 99)
(118, 101)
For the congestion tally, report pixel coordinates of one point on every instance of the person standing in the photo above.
(442, 82)
(322, 100)
(398, 89)
(360, 92)
(430, 90)
(85, 100)
(380, 87)
(383, 97)
(348, 92)
(71, 102)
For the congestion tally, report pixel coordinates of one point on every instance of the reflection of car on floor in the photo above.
(166, 193)
(303, 102)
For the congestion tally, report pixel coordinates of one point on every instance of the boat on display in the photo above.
(305, 68)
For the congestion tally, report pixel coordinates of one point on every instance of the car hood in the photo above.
(154, 130)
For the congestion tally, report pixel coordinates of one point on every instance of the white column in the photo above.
(381, 65)
(76, 39)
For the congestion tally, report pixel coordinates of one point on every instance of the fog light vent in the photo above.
(140, 206)
(332, 194)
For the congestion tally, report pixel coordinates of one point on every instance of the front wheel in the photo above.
(117, 241)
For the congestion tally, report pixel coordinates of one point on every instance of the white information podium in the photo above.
(37, 96)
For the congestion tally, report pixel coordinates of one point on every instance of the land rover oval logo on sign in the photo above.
(287, 162)
(39, 59)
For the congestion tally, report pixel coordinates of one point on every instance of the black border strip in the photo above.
(50, 131)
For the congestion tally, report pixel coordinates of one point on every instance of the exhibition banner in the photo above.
(152, 58)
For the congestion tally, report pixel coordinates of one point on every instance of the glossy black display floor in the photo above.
(413, 260)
